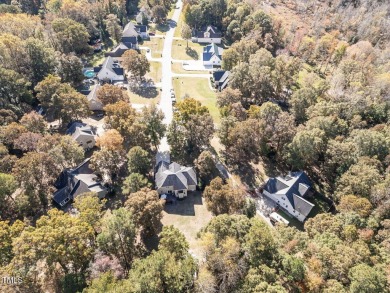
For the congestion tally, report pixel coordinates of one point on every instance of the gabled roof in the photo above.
(110, 65)
(212, 50)
(78, 129)
(212, 30)
(294, 186)
(73, 182)
(141, 28)
(174, 175)
(221, 75)
(130, 30)
(119, 49)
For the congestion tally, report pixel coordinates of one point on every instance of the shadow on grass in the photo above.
(162, 27)
(147, 92)
(186, 206)
(192, 53)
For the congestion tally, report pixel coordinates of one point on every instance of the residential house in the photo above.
(110, 71)
(289, 192)
(212, 55)
(143, 14)
(83, 134)
(73, 182)
(209, 34)
(172, 178)
(94, 103)
(221, 79)
(142, 31)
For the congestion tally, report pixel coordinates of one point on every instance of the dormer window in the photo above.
(207, 35)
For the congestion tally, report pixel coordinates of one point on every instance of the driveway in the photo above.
(195, 65)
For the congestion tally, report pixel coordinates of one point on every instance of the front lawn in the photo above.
(177, 67)
(145, 96)
(155, 72)
(181, 52)
(156, 45)
(179, 25)
(199, 89)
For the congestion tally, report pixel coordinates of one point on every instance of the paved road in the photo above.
(166, 82)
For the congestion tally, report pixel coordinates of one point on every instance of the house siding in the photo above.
(285, 205)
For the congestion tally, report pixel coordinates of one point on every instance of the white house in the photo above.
(174, 178)
(288, 193)
(212, 55)
(110, 71)
(83, 134)
(209, 34)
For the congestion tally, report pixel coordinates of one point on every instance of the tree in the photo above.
(186, 32)
(41, 58)
(34, 122)
(135, 63)
(36, 172)
(223, 198)
(206, 167)
(70, 69)
(153, 117)
(14, 91)
(118, 236)
(74, 106)
(113, 27)
(8, 186)
(134, 182)
(159, 13)
(27, 142)
(138, 160)
(60, 240)
(146, 209)
(111, 94)
(359, 179)
(107, 163)
(173, 241)
(7, 234)
(228, 97)
(71, 36)
(7, 117)
(11, 132)
(230, 58)
(351, 203)
(111, 140)
(89, 208)
(367, 279)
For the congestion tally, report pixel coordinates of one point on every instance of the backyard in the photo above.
(189, 216)
(145, 96)
(181, 52)
(199, 89)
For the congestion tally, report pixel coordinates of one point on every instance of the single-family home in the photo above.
(175, 179)
(73, 182)
(221, 79)
(289, 192)
(94, 103)
(144, 16)
(212, 55)
(209, 34)
(83, 134)
(110, 71)
(142, 31)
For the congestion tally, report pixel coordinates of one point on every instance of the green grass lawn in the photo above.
(179, 25)
(146, 97)
(199, 89)
(181, 52)
(155, 72)
(293, 221)
(156, 45)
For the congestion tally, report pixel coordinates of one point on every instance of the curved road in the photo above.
(166, 82)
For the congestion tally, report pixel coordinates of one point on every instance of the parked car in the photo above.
(151, 33)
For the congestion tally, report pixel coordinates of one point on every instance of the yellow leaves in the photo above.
(110, 140)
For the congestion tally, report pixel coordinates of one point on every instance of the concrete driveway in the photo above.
(195, 65)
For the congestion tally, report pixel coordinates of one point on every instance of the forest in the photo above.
(309, 90)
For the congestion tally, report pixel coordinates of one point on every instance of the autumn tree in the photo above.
(118, 236)
(186, 32)
(159, 13)
(135, 63)
(34, 122)
(146, 208)
(111, 94)
(138, 160)
(89, 208)
(70, 69)
(206, 167)
(111, 140)
(223, 198)
(113, 27)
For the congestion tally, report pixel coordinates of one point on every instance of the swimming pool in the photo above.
(89, 74)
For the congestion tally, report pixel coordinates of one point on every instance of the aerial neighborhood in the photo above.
(194, 146)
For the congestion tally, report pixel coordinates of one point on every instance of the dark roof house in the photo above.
(207, 32)
(83, 134)
(289, 192)
(221, 79)
(73, 182)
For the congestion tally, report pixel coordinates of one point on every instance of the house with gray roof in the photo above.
(91, 93)
(212, 55)
(208, 34)
(172, 178)
(289, 192)
(110, 71)
(84, 134)
(73, 182)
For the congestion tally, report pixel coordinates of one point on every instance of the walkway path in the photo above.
(166, 82)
